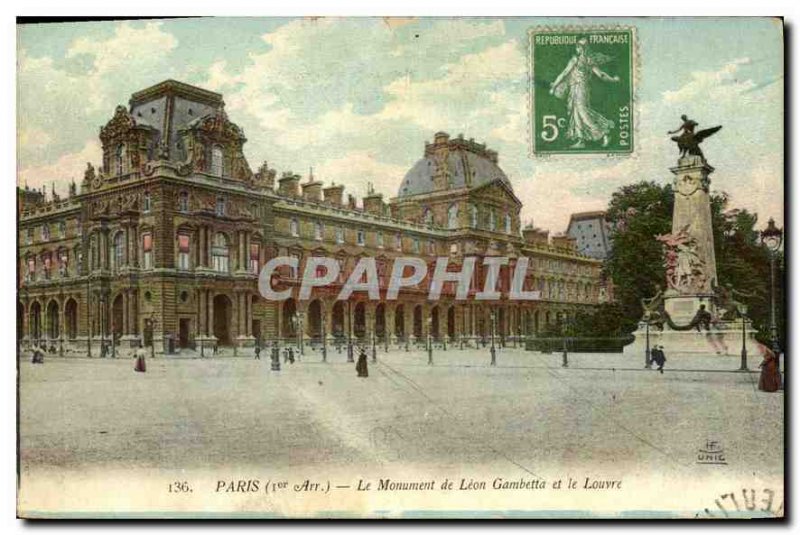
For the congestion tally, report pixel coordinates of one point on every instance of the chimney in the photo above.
(312, 191)
(333, 194)
(351, 202)
(288, 185)
(565, 242)
(373, 203)
(535, 236)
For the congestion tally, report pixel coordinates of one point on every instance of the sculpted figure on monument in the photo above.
(689, 140)
(685, 270)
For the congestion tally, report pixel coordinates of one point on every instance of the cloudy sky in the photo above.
(357, 98)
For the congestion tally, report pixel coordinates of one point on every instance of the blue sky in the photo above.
(357, 98)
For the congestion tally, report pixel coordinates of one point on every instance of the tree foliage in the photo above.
(638, 212)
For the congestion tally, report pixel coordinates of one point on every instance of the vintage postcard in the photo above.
(444, 268)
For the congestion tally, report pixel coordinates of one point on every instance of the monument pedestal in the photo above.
(724, 339)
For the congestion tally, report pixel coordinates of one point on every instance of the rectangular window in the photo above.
(398, 242)
(46, 263)
(63, 264)
(146, 203)
(147, 250)
(62, 229)
(294, 228)
(31, 269)
(255, 253)
(416, 245)
(318, 231)
(30, 236)
(431, 248)
(45, 232)
(339, 235)
(183, 251)
(360, 237)
(380, 240)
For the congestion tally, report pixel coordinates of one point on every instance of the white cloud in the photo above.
(722, 83)
(356, 169)
(65, 169)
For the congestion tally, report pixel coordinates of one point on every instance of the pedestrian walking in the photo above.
(657, 355)
(291, 355)
(770, 378)
(38, 355)
(258, 351)
(361, 365)
(140, 365)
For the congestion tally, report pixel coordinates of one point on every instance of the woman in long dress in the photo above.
(140, 363)
(770, 378)
(574, 84)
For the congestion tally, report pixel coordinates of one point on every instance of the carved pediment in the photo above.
(118, 126)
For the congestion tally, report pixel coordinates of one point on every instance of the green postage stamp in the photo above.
(582, 87)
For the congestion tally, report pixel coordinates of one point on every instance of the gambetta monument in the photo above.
(692, 314)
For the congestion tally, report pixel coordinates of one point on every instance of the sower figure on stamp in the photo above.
(361, 365)
(574, 84)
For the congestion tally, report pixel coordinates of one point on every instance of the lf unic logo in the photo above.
(582, 90)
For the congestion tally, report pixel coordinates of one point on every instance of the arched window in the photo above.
(452, 216)
(220, 210)
(219, 253)
(118, 250)
(183, 201)
(216, 160)
(120, 159)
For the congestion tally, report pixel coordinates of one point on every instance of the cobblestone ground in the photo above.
(528, 411)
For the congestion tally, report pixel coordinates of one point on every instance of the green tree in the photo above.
(638, 212)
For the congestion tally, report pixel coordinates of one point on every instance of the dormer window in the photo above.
(120, 159)
(216, 160)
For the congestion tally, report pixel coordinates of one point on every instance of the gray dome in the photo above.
(468, 164)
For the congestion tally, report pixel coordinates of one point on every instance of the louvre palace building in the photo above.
(163, 241)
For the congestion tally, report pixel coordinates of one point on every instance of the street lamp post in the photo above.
(772, 237)
(152, 335)
(564, 358)
(374, 348)
(742, 309)
(349, 333)
(492, 350)
(102, 324)
(324, 337)
(430, 342)
(647, 362)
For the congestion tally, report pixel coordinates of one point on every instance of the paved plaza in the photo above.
(526, 416)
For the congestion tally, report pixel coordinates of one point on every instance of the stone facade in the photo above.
(165, 240)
